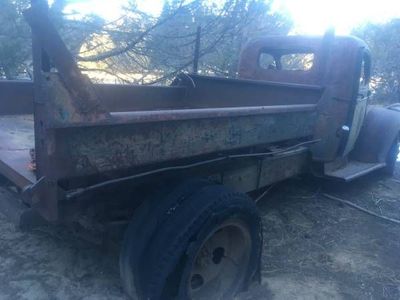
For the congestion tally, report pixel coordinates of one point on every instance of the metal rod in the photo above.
(81, 191)
(349, 203)
(197, 51)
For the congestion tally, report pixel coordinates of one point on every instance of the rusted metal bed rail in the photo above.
(123, 98)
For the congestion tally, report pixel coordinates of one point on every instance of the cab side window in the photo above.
(365, 69)
(365, 75)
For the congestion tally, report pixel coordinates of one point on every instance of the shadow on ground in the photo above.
(314, 248)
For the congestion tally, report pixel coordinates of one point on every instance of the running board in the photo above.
(353, 170)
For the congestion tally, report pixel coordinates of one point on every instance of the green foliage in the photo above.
(225, 30)
(14, 37)
(143, 48)
(159, 48)
(384, 42)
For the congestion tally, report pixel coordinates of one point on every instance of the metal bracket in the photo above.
(28, 193)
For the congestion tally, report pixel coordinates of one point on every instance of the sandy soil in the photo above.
(314, 248)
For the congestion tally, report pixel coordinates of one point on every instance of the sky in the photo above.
(315, 16)
(309, 16)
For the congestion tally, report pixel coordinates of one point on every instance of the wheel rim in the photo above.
(220, 265)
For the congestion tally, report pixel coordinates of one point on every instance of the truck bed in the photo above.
(16, 140)
(145, 126)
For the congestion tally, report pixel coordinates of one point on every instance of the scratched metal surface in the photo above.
(99, 149)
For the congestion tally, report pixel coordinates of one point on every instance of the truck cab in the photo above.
(341, 65)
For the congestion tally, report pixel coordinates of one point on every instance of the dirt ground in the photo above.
(314, 248)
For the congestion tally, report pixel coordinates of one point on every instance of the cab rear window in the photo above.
(300, 61)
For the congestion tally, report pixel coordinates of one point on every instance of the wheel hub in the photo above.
(221, 262)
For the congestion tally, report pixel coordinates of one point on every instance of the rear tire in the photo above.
(142, 228)
(206, 245)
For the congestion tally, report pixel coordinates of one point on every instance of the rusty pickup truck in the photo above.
(176, 165)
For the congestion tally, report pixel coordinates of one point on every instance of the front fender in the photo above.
(380, 129)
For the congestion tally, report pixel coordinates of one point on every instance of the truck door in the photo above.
(359, 103)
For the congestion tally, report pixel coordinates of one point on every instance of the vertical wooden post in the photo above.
(41, 63)
(46, 198)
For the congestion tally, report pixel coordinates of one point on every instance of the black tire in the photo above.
(164, 268)
(143, 226)
(391, 158)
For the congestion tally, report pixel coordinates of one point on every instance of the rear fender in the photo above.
(380, 129)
